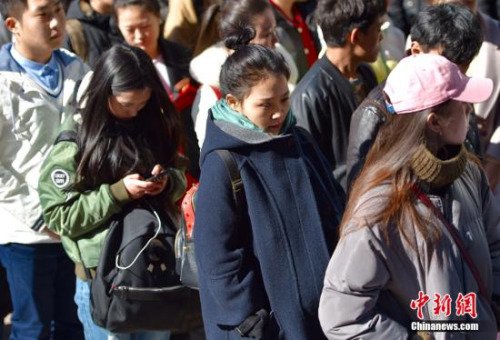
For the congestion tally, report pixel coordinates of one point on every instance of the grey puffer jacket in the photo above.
(369, 285)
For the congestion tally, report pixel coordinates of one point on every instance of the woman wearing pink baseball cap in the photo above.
(420, 237)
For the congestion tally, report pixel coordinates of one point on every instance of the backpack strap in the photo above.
(188, 202)
(76, 36)
(456, 238)
(235, 176)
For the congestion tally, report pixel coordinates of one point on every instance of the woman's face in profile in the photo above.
(265, 29)
(266, 104)
(126, 105)
(455, 123)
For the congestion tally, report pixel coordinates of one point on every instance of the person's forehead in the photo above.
(34, 5)
(135, 12)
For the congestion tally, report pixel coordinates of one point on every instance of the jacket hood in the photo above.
(205, 68)
(224, 135)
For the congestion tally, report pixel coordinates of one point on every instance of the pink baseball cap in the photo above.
(423, 81)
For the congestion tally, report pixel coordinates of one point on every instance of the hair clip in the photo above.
(389, 107)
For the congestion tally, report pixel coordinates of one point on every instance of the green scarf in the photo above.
(222, 111)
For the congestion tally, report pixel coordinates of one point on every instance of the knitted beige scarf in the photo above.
(436, 172)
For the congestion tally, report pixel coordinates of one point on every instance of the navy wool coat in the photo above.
(275, 257)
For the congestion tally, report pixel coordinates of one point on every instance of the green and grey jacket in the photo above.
(81, 219)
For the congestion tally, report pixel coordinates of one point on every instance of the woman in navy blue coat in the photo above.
(261, 271)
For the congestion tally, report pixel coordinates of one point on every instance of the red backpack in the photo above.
(184, 243)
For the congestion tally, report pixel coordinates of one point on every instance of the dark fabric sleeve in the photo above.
(491, 220)
(310, 115)
(365, 123)
(231, 285)
(397, 15)
(490, 7)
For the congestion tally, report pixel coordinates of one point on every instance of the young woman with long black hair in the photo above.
(129, 131)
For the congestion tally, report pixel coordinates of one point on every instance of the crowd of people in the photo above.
(366, 134)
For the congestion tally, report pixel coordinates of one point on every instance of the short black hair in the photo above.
(11, 8)
(249, 64)
(152, 6)
(339, 17)
(451, 26)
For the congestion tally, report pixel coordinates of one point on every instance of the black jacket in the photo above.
(404, 12)
(323, 103)
(367, 120)
(490, 7)
(100, 31)
(177, 58)
(365, 123)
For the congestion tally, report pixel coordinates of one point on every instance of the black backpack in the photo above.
(135, 286)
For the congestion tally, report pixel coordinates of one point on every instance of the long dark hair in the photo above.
(388, 161)
(109, 148)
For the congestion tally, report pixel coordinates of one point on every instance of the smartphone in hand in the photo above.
(159, 176)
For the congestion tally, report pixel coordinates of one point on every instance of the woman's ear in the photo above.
(233, 102)
(433, 123)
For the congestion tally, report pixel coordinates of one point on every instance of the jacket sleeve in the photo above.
(315, 118)
(354, 279)
(205, 99)
(231, 286)
(8, 182)
(492, 165)
(365, 123)
(491, 218)
(177, 187)
(68, 212)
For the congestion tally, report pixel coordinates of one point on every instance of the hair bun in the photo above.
(239, 37)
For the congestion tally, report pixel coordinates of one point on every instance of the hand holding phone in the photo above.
(159, 176)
